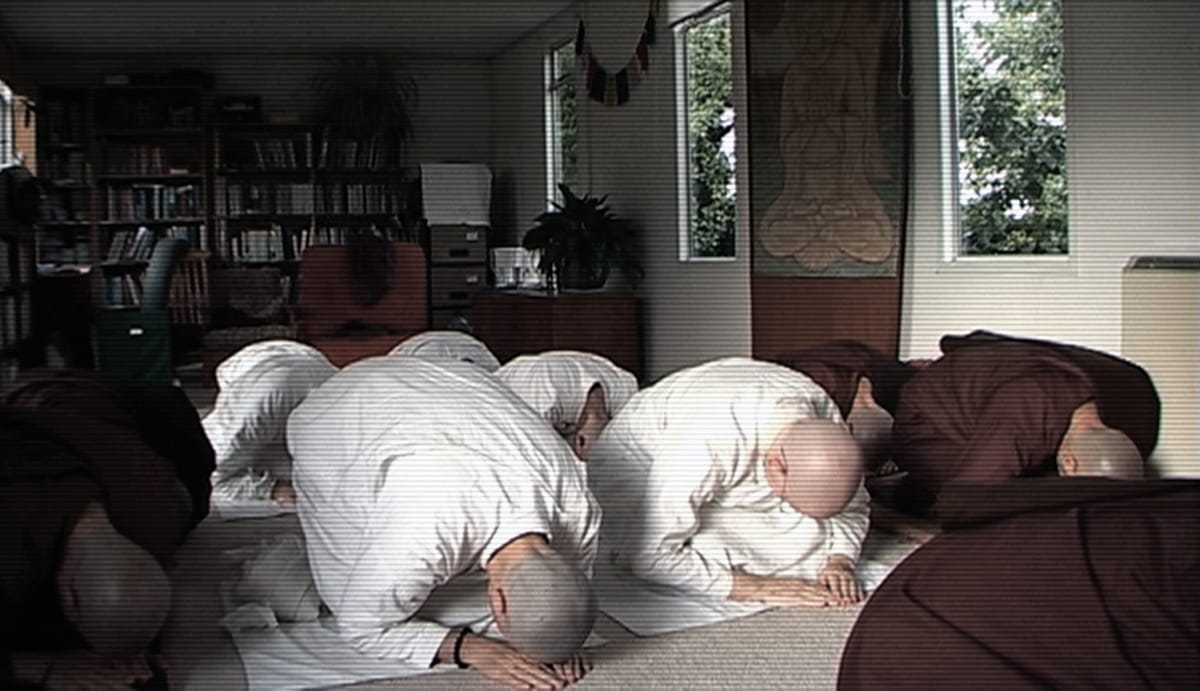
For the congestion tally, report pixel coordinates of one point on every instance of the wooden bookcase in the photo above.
(16, 294)
(279, 188)
(126, 165)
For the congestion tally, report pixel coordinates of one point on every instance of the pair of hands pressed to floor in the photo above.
(503, 665)
(836, 586)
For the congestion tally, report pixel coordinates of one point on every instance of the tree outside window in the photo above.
(563, 162)
(1011, 126)
(708, 115)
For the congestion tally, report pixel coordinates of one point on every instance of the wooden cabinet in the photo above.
(512, 323)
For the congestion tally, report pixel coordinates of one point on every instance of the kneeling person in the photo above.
(259, 386)
(735, 479)
(412, 472)
(576, 392)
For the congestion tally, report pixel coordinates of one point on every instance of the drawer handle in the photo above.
(471, 280)
(472, 236)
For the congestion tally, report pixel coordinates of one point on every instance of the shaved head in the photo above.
(1100, 452)
(816, 466)
(113, 592)
(549, 606)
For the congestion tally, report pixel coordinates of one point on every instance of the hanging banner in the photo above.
(613, 88)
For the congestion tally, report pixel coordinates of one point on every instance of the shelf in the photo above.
(65, 146)
(112, 223)
(150, 132)
(364, 172)
(163, 177)
(244, 219)
(65, 224)
(66, 184)
(273, 173)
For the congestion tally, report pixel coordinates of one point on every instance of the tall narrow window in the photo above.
(8, 152)
(562, 165)
(1008, 126)
(708, 191)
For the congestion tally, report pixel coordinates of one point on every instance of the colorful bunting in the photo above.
(613, 89)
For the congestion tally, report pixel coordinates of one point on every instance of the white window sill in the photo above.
(1064, 266)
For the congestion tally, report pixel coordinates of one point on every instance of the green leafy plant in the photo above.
(581, 241)
(365, 96)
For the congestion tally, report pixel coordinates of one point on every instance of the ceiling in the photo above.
(432, 28)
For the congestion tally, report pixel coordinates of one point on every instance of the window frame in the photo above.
(8, 127)
(951, 259)
(683, 148)
(554, 83)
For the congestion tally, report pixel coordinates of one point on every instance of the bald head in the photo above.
(1100, 452)
(112, 591)
(815, 466)
(549, 606)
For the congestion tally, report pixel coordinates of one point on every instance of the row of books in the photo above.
(67, 167)
(153, 201)
(16, 321)
(371, 154)
(268, 198)
(361, 198)
(125, 289)
(131, 245)
(276, 243)
(126, 158)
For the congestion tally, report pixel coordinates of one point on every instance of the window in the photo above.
(708, 189)
(562, 164)
(1007, 126)
(8, 152)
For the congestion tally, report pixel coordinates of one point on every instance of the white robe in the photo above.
(455, 345)
(556, 383)
(679, 473)
(411, 472)
(258, 387)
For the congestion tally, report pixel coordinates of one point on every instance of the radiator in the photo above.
(1160, 330)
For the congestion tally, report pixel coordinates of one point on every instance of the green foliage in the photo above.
(710, 96)
(365, 96)
(1012, 130)
(564, 113)
(581, 240)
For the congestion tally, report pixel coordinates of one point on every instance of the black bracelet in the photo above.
(458, 647)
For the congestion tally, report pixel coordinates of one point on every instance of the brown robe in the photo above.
(837, 366)
(70, 439)
(995, 407)
(1056, 583)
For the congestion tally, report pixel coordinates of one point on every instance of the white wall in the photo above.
(1133, 120)
(452, 120)
(691, 312)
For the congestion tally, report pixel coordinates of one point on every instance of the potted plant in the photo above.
(363, 97)
(581, 241)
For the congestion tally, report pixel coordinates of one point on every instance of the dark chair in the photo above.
(133, 342)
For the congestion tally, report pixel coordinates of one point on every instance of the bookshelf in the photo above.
(125, 166)
(16, 292)
(279, 188)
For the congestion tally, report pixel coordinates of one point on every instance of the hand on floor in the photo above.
(503, 665)
(284, 494)
(838, 577)
(780, 591)
(572, 670)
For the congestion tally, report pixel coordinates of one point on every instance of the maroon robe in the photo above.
(838, 365)
(69, 440)
(1056, 583)
(994, 407)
